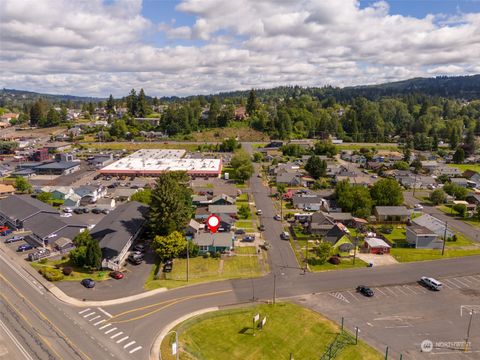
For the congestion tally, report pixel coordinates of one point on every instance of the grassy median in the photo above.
(289, 329)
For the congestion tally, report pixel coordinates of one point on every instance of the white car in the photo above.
(66, 215)
(277, 217)
(67, 210)
(418, 207)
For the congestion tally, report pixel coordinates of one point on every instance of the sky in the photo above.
(189, 47)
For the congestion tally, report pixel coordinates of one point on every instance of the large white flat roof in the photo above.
(154, 161)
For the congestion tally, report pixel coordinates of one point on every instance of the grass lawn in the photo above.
(463, 167)
(137, 146)
(347, 146)
(345, 264)
(203, 270)
(78, 274)
(289, 329)
(447, 210)
(408, 255)
(246, 225)
(398, 234)
(242, 198)
(241, 186)
(246, 250)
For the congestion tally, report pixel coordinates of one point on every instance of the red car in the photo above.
(3, 228)
(116, 275)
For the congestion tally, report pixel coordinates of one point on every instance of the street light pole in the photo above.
(468, 330)
(444, 237)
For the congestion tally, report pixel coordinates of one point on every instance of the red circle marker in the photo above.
(213, 222)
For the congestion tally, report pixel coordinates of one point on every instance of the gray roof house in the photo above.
(193, 228)
(320, 223)
(460, 182)
(310, 202)
(392, 213)
(208, 242)
(433, 224)
(447, 170)
(117, 231)
(423, 238)
(292, 179)
(223, 209)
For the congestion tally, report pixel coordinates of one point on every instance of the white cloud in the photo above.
(93, 48)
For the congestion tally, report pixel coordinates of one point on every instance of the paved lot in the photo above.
(220, 186)
(403, 316)
(378, 260)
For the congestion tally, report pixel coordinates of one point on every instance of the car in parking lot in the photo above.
(24, 247)
(239, 232)
(78, 211)
(66, 215)
(431, 283)
(105, 211)
(88, 283)
(67, 210)
(277, 217)
(418, 207)
(285, 235)
(261, 227)
(96, 211)
(135, 258)
(85, 210)
(365, 290)
(14, 239)
(140, 247)
(259, 212)
(248, 238)
(116, 275)
(6, 232)
(3, 228)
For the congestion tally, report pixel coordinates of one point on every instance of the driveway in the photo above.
(378, 260)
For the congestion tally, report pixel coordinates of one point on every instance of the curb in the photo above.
(155, 353)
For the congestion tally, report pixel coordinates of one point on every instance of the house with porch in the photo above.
(212, 243)
(392, 213)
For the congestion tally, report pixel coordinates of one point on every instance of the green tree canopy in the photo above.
(387, 192)
(242, 164)
(323, 252)
(144, 196)
(22, 185)
(438, 196)
(354, 198)
(459, 156)
(171, 203)
(316, 167)
(170, 246)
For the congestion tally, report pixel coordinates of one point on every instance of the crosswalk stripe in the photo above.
(94, 318)
(116, 335)
(99, 322)
(129, 344)
(122, 339)
(136, 349)
(111, 330)
(104, 326)
(84, 311)
(380, 291)
(90, 314)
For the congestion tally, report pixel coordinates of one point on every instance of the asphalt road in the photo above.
(456, 224)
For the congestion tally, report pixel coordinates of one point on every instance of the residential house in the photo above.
(320, 224)
(123, 194)
(222, 200)
(342, 217)
(212, 243)
(58, 192)
(448, 171)
(226, 222)
(335, 233)
(430, 165)
(423, 238)
(376, 246)
(309, 202)
(473, 177)
(6, 190)
(117, 231)
(434, 224)
(90, 193)
(201, 214)
(473, 199)
(105, 204)
(199, 200)
(391, 213)
(193, 228)
(460, 182)
(63, 244)
(290, 179)
(72, 201)
(223, 209)
(358, 159)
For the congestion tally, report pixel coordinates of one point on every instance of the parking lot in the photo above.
(402, 317)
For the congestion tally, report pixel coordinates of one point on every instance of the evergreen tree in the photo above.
(132, 102)
(251, 103)
(316, 167)
(63, 114)
(470, 146)
(93, 255)
(459, 156)
(110, 105)
(141, 104)
(36, 113)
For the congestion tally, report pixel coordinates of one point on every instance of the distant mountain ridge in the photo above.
(465, 87)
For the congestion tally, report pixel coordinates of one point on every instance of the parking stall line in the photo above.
(104, 326)
(122, 339)
(410, 289)
(452, 283)
(136, 349)
(99, 322)
(463, 282)
(399, 288)
(477, 277)
(421, 289)
(116, 335)
(129, 344)
(473, 279)
(381, 292)
(94, 318)
(89, 314)
(391, 291)
(111, 330)
(353, 296)
(84, 311)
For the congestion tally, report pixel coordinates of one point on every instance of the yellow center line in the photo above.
(167, 302)
(42, 315)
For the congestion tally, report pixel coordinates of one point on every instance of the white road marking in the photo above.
(116, 335)
(391, 291)
(106, 313)
(84, 311)
(122, 339)
(452, 283)
(408, 288)
(129, 344)
(461, 282)
(353, 295)
(104, 326)
(111, 330)
(399, 288)
(89, 314)
(99, 322)
(94, 318)
(447, 286)
(136, 349)
(474, 278)
(15, 341)
(20, 272)
(339, 296)
(380, 291)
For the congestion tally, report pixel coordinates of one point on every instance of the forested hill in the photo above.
(459, 87)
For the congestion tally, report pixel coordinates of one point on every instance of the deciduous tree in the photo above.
(169, 246)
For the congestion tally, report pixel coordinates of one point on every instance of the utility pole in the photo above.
(444, 237)
(355, 249)
(414, 184)
(274, 287)
(468, 330)
(188, 258)
(306, 256)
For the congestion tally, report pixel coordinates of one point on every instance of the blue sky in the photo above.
(98, 47)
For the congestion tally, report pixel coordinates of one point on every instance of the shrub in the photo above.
(43, 261)
(51, 274)
(67, 270)
(206, 255)
(335, 260)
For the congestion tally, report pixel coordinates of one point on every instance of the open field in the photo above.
(408, 255)
(129, 146)
(289, 329)
(463, 167)
(219, 134)
(203, 270)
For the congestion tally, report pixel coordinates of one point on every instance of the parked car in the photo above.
(105, 211)
(248, 238)
(135, 259)
(88, 283)
(66, 215)
(261, 227)
(6, 232)
(168, 267)
(116, 275)
(140, 247)
(431, 283)
(24, 247)
(14, 239)
(418, 207)
(40, 254)
(259, 212)
(3, 228)
(277, 217)
(365, 290)
(96, 211)
(239, 232)
(78, 211)
(67, 210)
(285, 235)
(86, 210)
